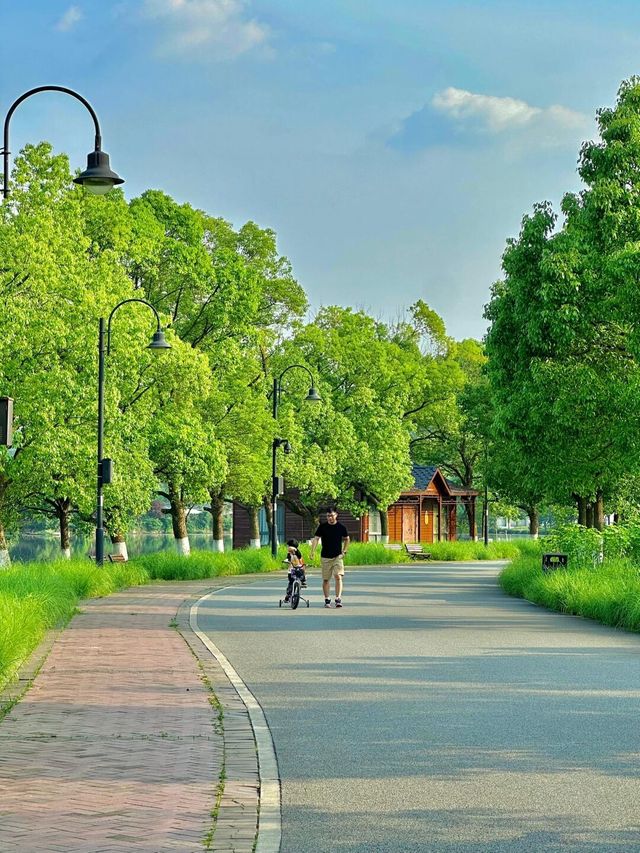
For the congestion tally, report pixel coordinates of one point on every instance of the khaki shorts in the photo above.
(331, 566)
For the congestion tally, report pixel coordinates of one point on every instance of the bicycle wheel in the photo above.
(295, 594)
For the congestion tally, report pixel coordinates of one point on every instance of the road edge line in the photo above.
(269, 834)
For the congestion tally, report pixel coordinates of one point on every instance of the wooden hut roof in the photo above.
(424, 475)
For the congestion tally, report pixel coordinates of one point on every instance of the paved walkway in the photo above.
(127, 737)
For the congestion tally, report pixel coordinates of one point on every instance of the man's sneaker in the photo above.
(327, 602)
(287, 599)
(338, 602)
(303, 584)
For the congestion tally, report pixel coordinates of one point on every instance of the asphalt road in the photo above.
(434, 713)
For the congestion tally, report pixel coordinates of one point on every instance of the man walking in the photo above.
(335, 541)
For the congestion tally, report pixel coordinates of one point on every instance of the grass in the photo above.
(608, 593)
(35, 597)
(466, 551)
(199, 565)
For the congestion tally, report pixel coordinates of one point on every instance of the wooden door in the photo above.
(409, 523)
(427, 523)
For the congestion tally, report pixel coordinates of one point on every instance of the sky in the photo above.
(393, 145)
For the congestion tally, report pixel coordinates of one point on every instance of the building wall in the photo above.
(295, 527)
(240, 537)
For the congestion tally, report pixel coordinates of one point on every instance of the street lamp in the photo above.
(98, 178)
(485, 508)
(105, 466)
(312, 397)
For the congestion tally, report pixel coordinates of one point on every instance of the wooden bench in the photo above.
(416, 552)
(117, 558)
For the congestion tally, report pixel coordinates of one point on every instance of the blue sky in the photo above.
(393, 145)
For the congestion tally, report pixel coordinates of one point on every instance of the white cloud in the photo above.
(70, 18)
(220, 26)
(497, 115)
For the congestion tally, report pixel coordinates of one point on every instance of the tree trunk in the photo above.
(581, 503)
(534, 521)
(268, 509)
(179, 521)
(470, 509)
(217, 519)
(119, 545)
(63, 512)
(589, 514)
(598, 511)
(254, 526)
(384, 526)
(5, 559)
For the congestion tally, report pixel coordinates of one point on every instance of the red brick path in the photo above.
(116, 747)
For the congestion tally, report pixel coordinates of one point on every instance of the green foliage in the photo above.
(582, 545)
(562, 346)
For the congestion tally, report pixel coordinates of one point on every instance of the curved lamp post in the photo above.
(312, 397)
(105, 466)
(98, 178)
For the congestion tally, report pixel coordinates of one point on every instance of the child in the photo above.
(296, 566)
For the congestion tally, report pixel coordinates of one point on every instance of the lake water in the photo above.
(42, 547)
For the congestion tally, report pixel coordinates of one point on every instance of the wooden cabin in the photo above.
(424, 513)
(428, 511)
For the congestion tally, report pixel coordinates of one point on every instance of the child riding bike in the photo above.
(296, 567)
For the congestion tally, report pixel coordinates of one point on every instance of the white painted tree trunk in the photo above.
(385, 539)
(120, 548)
(183, 546)
(218, 545)
(254, 543)
(65, 553)
(535, 536)
(5, 559)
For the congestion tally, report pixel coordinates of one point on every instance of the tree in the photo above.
(355, 448)
(48, 349)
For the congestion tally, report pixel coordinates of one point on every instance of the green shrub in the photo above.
(583, 545)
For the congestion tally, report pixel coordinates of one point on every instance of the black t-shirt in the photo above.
(331, 536)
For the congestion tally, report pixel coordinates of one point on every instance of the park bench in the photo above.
(113, 558)
(415, 552)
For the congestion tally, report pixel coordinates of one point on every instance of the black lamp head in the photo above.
(159, 341)
(313, 396)
(98, 178)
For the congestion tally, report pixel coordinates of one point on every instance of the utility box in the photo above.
(6, 421)
(107, 471)
(278, 486)
(553, 561)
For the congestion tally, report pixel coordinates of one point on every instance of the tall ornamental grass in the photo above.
(607, 592)
(199, 565)
(466, 551)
